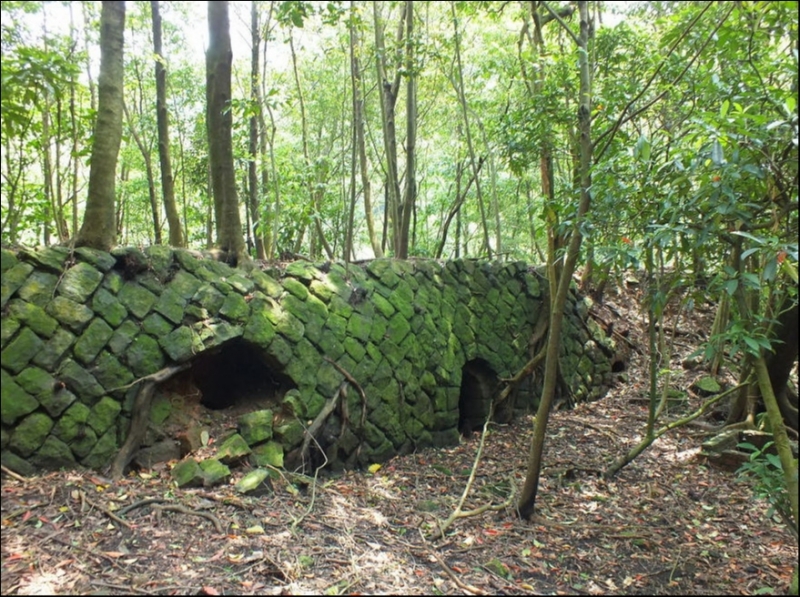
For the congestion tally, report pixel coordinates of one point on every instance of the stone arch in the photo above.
(478, 387)
(238, 372)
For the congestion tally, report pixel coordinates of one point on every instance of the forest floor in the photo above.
(668, 523)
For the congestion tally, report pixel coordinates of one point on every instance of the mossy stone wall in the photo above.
(79, 325)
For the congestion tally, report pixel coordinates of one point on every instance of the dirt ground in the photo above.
(669, 523)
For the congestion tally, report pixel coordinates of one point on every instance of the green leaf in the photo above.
(770, 270)
(723, 109)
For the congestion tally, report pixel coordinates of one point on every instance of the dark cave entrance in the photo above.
(478, 386)
(238, 373)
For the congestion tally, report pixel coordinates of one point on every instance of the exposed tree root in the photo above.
(140, 416)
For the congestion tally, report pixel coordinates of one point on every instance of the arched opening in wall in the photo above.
(478, 388)
(239, 374)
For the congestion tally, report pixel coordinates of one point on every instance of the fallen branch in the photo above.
(458, 512)
(110, 514)
(11, 473)
(626, 459)
(140, 416)
(459, 583)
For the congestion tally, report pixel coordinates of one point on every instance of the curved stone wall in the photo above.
(79, 327)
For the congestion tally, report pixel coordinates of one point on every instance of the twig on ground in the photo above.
(110, 514)
(139, 504)
(184, 510)
(459, 583)
(11, 473)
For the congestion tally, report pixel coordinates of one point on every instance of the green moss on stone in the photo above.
(281, 350)
(256, 426)
(73, 315)
(54, 454)
(235, 308)
(328, 379)
(339, 306)
(7, 260)
(31, 432)
(92, 341)
(15, 402)
(157, 326)
(253, 481)
(108, 307)
(184, 284)
(214, 472)
(181, 344)
(233, 449)
(267, 454)
(54, 349)
(288, 325)
(80, 381)
(296, 287)
(103, 451)
(38, 288)
(187, 473)
(79, 282)
(144, 355)
(137, 299)
(171, 305)
(104, 414)
(19, 352)
(123, 336)
(35, 381)
(290, 433)
(266, 283)
(12, 279)
(8, 328)
(359, 327)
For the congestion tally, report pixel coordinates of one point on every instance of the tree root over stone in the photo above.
(140, 416)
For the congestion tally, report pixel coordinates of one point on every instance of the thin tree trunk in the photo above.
(527, 501)
(462, 100)
(151, 181)
(358, 125)
(176, 238)
(314, 194)
(388, 97)
(409, 200)
(252, 166)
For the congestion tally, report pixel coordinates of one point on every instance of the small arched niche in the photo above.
(478, 387)
(239, 374)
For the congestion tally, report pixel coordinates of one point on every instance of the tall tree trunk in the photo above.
(410, 195)
(219, 125)
(527, 500)
(252, 165)
(358, 124)
(98, 229)
(314, 194)
(388, 96)
(462, 100)
(176, 238)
